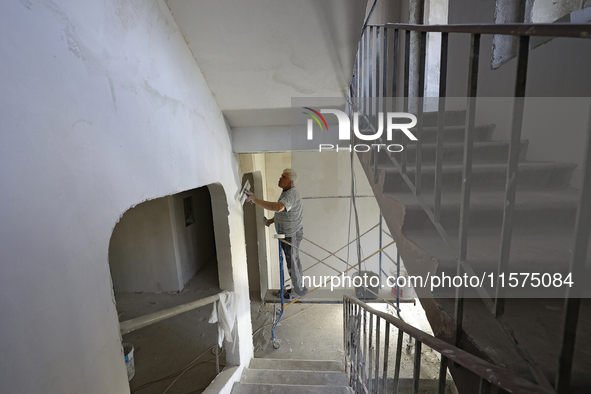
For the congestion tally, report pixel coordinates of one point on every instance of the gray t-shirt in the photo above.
(289, 219)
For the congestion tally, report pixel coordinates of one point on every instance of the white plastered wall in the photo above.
(102, 107)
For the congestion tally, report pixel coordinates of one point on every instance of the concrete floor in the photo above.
(168, 347)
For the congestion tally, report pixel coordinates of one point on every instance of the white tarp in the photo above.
(224, 313)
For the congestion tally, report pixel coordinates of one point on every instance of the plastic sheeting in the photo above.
(224, 313)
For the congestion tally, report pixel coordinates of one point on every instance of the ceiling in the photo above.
(258, 54)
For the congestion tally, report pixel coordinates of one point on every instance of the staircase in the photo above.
(273, 376)
(270, 376)
(527, 338)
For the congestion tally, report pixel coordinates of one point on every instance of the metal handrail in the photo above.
(151, 318)
(572, 30)
(359, 355)
(370, 60)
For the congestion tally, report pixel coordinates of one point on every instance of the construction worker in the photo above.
(289, 213)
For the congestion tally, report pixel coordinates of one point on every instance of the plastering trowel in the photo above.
(242, 196)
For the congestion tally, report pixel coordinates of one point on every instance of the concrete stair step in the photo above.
(314, 378)
(451, 134)
(405, 386)
(545, 207)
(261, 388)
(452, 118)
(296, 365)
(489, 176)
(534, 249)
(490, 151)
(454, 133)
(426, 386)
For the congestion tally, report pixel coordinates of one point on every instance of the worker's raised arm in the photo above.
(268, 205)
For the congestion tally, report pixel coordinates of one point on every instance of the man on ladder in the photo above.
(289, 212)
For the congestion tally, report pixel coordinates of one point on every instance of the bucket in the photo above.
(129, 363)
(368, 292)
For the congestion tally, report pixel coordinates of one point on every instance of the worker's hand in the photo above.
(270, 222)
(251, 197)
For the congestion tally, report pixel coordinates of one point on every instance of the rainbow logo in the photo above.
(315, 117)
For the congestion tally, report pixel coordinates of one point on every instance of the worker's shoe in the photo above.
(286, 293)
(290, 296)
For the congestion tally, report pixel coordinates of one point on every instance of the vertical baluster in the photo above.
(417, 367)
(376, 384)
(364, 74)
(406, 92)
(361, 71)
(352, 327)
(467, 178)
(367, 69)
(357, 344)
(370, 353)
(370, 69)
(380, 247)
(421, 92)
(442, 375)
(397, 287)
(365, 347)
(377, 57)
(355, 340)
(512, 167)
(577, 270)
(484, 386)
(385, 67)
(375, 150)
(357, 348)
(407, 34)
(398, 359)
(440, 125)
(351, 344)
(346, 328)
(353, 331)
(345, 324)
(359, 54)
(386, 348)
(395, 61)
(353, 349)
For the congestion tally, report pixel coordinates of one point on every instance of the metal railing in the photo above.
(367, 358)
(130, 325)
(371, 80)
